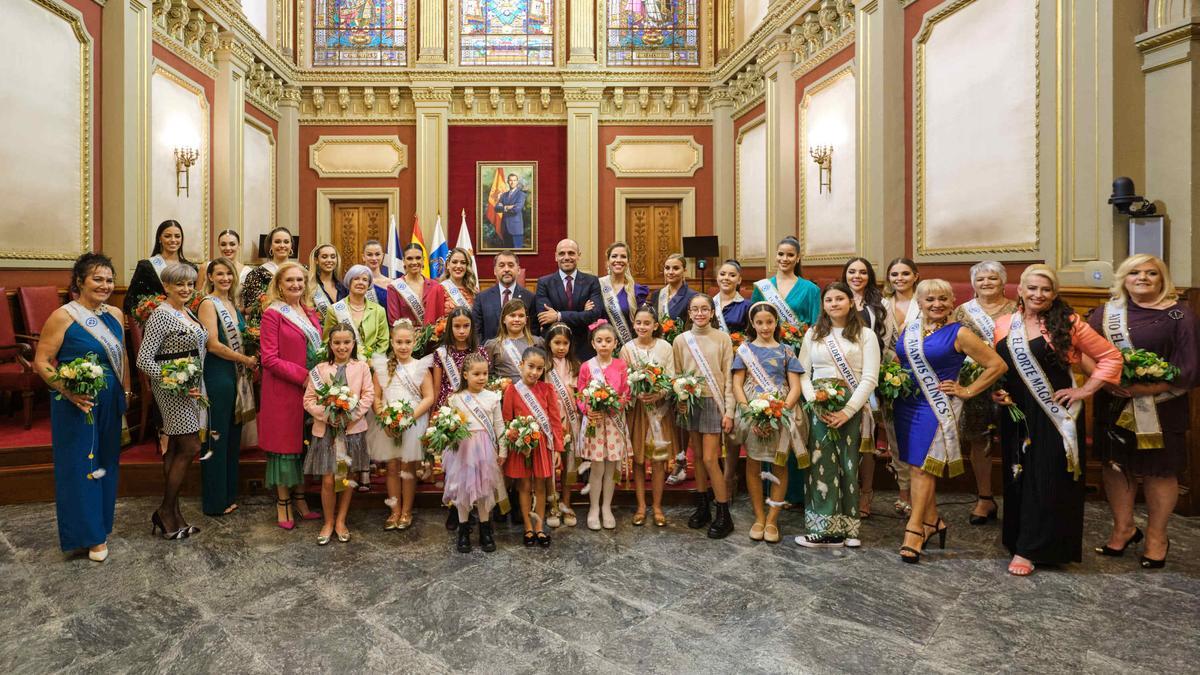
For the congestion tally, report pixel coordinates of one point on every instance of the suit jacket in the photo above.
(514, 220)
(551, 293)
(485, 313)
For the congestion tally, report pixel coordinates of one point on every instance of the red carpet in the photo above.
(13, 433)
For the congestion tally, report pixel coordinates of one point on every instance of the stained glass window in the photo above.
(506, 32)
(653, 33)
(360, 32)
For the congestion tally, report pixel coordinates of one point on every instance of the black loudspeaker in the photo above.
(264, 246)
(701, 247)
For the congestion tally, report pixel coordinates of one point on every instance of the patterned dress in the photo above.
(777, 361)
(168, 335)
(457, 356)
(611, 441)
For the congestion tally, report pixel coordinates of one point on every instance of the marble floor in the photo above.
(245, 597)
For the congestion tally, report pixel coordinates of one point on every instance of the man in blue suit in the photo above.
(511, 207)
(485, 313)
(570, 296)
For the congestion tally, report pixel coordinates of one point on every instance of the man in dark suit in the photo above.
(570, 296)
(485, 313)
(511, 207)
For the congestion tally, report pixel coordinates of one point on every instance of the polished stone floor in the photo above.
(244, 596)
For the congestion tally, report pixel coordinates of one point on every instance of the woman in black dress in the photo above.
(1144, 313)
(168, 248)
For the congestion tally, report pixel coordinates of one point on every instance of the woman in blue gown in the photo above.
(932, 350)
(86, 454)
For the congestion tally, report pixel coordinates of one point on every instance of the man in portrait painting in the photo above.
(511, 208)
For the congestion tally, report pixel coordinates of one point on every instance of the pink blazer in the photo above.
(283, 351)
(433, 298)
(615, 374)
(358, 378)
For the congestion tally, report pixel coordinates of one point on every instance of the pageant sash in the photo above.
(448, 367)
(314, 376)
(705, 370)
(843, 366)
(1039, 385)
(477, 411)
(539, 413)
(302, 322)
(157, 262)
(455, 294)
(664, 302)
(270, 266)
(654, 413)
(612, 307)
(985, 324)
(720, 313)
(1140, 415)
(243, 407)
(759, 375)
(944, 449)
(405, 378)
(564, 397)
(341, 310)
(771, 294)
(89, 321)
(411, 298)
(511, 351)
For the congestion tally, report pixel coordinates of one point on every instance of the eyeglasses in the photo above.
(700, 310)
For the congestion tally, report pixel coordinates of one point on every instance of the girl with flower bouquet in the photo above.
(459, 339)
(766, 384)
(651, 422)
(338, 395)
(842, 354)
(604, 442)
(562, 374)
(533, 441)
(400, 377)
(708, 353)
(473, 478)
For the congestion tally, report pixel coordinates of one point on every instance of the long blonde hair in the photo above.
(1118, 292)
(628, 282)
(273, 293)
(470, 279)
(209, 288)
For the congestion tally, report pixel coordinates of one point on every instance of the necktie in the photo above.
(507, 297)
(570, 293)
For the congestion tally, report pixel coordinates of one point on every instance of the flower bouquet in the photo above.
(145, 307)
(686, 390)
(738, 338)
(600, 397)
(1014, 413)
(1143, 366)
(338, 401)
(251, 338)
(83, 376)
(894, 382)
(395, 419)
(648, 378)
(315, 355)
(180, 376)
(498, 385)
(830, 396)
(428, 337)
(670, 329)
(447, 428)
(521, 435)
(766, 415)
(792, 335)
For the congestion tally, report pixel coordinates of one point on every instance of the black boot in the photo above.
(722, 525)
(486, 542)
(452, 519)
(702, 515)
(464, 538)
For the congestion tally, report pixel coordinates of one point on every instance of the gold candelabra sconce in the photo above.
(822, 156)
(185, 158)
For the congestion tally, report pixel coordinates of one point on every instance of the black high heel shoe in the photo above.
(991, 514)
(1118, 552)
(1152, 564)
(916, 555)
(156, 524)
(940, 532)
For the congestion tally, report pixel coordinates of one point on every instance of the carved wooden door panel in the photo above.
(653, 231)
(353, 223)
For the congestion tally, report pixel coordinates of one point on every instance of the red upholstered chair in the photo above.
(16, 369)
(37, 304)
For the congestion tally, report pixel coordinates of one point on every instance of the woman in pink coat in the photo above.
(290, 339)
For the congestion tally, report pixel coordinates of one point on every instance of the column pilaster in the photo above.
(722, 157)
(287, 160)
(431, 46)
(583, 32)
(583, 171)
(229, 112)
(781, 144)
(433, 154)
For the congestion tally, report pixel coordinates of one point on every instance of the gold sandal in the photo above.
(639, 518)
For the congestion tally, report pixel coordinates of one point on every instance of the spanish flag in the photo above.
(420, 241)
(499, 187)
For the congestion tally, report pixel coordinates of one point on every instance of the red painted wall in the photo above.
(547, 145)
(702, 181)
(310, 181)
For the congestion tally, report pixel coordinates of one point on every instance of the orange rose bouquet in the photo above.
(521, 436)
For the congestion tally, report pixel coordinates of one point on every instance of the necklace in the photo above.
(356, 309)
(933, 328)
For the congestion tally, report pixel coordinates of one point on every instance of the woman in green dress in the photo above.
(227, 379)
(798, 301)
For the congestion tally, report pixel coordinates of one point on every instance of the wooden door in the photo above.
(353, 223)
(653, 231)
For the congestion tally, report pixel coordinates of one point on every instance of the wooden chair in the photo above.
(16, 370)
(145, 396)
(37, 304)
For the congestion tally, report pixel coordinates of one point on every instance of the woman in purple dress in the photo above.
(1144, 313)
(932, 350)
(620, 293)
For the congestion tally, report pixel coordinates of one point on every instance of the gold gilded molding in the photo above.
(65, 254)
(358, 156)
(161, 69)
(656, 156)
(802, 174)
(919, 78)
(737, 193)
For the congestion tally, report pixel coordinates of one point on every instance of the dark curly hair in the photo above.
(84, 264)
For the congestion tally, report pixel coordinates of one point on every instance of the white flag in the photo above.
(464, 242)
(393, 262)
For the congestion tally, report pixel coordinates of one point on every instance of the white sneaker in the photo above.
(853, 543)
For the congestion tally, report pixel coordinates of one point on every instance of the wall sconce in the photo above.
(822, 155)
(184, 159)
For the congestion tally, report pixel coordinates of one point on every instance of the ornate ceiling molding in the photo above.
(187, 33)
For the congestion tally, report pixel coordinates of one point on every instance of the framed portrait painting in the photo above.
(507, 198)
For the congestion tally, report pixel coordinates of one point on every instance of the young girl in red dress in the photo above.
(533, 396)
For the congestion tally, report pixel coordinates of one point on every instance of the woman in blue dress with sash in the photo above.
(86, 454)
(672, 299)
(932, 350)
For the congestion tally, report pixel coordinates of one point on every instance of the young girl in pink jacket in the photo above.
(339, 430)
